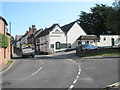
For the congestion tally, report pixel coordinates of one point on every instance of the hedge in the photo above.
(3, 41)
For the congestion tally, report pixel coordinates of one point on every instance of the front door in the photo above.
(113, 43)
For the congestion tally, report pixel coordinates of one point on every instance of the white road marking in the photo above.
(72, 86)
(75, 81)
(7, 68)
(78, 73)
(36, 71)
(77, 77)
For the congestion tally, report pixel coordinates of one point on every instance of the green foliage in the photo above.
(113, 18)
(10, 61)
(3, 41)
(101, 20)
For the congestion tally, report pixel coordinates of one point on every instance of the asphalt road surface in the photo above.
(36, 73)
(60, 72)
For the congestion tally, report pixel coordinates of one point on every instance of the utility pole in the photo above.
(10, 39)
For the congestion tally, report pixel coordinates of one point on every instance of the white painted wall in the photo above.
(74, 33)
(56, 37)
(108, 41)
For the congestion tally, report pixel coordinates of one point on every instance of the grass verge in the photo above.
(10, 61)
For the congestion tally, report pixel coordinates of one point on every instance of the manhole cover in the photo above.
(5, 83)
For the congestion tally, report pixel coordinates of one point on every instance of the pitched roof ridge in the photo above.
(67, 27)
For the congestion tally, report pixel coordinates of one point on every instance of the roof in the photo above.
(47, 30)
(67, 27)
(38, 32)
(8, 34)
(88, 37)
(3, 20)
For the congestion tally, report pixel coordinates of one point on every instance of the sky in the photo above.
(23, 14)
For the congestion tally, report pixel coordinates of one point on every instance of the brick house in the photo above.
(31, 32)
(4, 52)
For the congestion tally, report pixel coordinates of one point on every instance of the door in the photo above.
(113, 43)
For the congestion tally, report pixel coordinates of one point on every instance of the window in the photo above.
(69, 45)
(87, 42)
(52, 45)
(79, 42)
(57, 45)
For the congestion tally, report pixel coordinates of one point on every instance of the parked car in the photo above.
(88, 47)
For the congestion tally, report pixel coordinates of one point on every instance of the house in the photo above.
(30, 34)
(56, 38)
(37, 41)
(24, 38)
(4, 49)
(73, 31)
(50, 38)
(17, 41)
(109, 40)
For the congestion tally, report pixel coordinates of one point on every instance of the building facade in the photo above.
(56, 38)
(4, 52)
(31, 33)
(109, 40)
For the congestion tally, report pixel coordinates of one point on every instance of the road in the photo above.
(57, 71)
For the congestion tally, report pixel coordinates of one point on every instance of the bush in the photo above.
(3, 41)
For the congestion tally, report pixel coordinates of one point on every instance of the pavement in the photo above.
(100, 57)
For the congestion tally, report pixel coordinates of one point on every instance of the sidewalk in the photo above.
(101, 57)
(97, 57)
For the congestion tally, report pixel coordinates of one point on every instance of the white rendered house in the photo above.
(109, 40)
(56, 38)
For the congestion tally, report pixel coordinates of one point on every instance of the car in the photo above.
(88, 47)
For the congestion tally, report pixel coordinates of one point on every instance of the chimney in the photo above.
(29, 28)
(33, 27)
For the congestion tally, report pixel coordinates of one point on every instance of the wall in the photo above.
(4, 52)
(108, 41)
(56, 35)
(74, 33)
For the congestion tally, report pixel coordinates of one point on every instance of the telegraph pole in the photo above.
(10, 40)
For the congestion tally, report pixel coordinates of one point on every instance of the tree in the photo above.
(116, 4)
(96, 21)
(85, 22)
(113, 18)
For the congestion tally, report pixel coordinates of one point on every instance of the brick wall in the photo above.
(4, 52)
